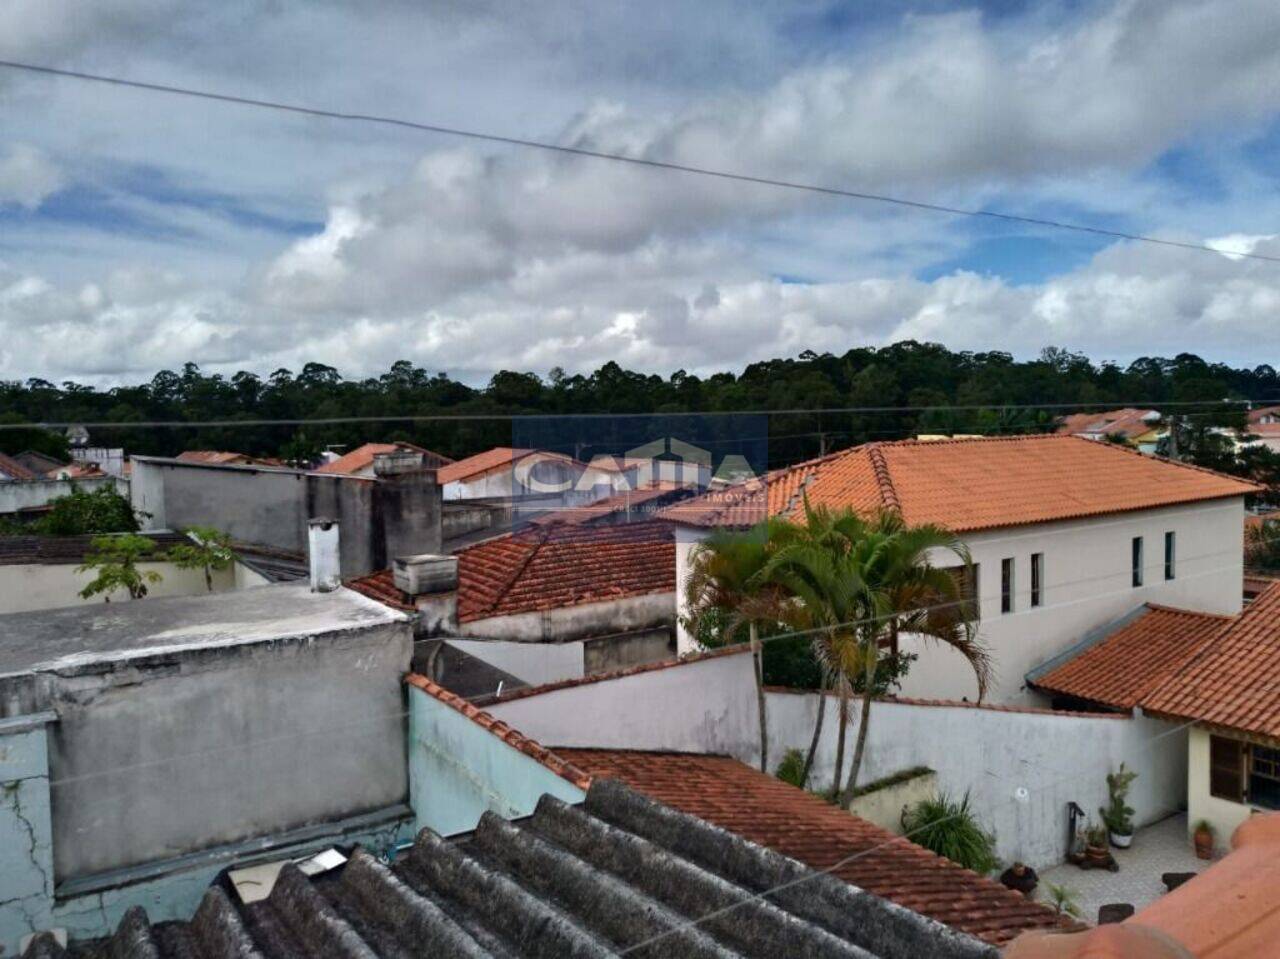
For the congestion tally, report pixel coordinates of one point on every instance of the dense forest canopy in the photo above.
(946, 392)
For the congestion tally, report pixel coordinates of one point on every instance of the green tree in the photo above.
(209, 550)
(115, 560)
(726, 588)
(81, 513)
(865, 581)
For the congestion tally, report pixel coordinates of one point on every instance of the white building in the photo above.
(1066, 536)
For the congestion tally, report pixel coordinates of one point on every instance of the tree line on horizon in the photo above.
(902, 389)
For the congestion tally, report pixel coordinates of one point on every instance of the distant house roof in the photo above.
(213, 456)
(76, 471)
(1261, 412)
(639, 502)
(617, 873)
(11, 469)
(38, 463)
(1128, 422)
(471, 467)
(361, 458)
(552, 566)
(1234, 681)
(805, 827)
(969, 484)
(276, 565)
(1120, 667)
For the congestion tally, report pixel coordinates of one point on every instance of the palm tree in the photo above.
(865, 580)
(725, 589)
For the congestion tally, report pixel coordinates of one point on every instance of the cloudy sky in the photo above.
(140, 231)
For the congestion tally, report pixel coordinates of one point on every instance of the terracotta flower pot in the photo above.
(1204, 844)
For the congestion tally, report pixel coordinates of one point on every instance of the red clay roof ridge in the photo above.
(880, 466)
(1190, 612)
(512, 737)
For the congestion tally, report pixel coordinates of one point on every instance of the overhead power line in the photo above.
(314, 111)
(1228, 405)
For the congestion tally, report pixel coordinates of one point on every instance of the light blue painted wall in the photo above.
(458, 770)
(26, 844)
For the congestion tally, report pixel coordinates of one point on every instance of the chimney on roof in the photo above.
(407, 508)
(322, 550)
(431, 580)
(397, 462)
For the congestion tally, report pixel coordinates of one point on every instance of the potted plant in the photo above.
(1118, 815)
(1095, 842)
(1203, 838)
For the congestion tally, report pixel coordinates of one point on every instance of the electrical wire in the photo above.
(655, 164)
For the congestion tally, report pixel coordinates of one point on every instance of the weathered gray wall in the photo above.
(379, 519)
(37, 493)
(586, 620)
(188, 752)
(608, 653)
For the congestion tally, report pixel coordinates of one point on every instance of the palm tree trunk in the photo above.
(757, 658)
(842, 717)
(868, 691)
(817, 731)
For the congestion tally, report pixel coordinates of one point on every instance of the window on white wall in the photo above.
(1170, 554)
(1137, 560)
(1037, 579)
(1006, 585)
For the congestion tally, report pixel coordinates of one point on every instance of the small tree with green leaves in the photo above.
(80, 513)
(1063, 899)
(209, 550)
(115, 560)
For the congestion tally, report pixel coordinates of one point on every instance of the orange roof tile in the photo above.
(1135, 658)
(14, 470)
(1256, 415)
(512, 737)
(553, 566)
(767, 811)
(361, 458)
(382, 587)
(213, 456)
(1233, 682)
(982, 483)
(500, 457)
(1129, 422)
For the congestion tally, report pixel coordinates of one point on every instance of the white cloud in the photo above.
(27, 176)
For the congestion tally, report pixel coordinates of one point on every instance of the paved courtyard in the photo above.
(1157, 849)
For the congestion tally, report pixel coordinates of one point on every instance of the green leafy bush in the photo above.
(80, 513)
(791, 769)
(950, 828)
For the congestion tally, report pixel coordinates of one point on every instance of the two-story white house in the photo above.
(1066, 536)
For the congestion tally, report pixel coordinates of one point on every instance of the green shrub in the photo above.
(791, 769)
(80, 513)
(950, 828)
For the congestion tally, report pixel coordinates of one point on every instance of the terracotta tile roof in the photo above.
(767, 811)
(1255, 520)
(1135, 658)
(639, 502)
(213, 456)
(76, 471)
(11, 468)
(382, 587)
(1233, 682)
(1255, 416)
(554, 566)
(1255, 584)
(976, 484)
(361, 458)
(38, 463)
(1128, 422)
(563, 768)
(68, 550)
(525, 691)
(500, 457)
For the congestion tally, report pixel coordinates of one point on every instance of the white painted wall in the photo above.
(704, 706)
(50, 586)
(1086, 585)
(993, 753)
(34, 494)
(1223, 814)
(651, 610)
(535, 663)
(687, 537)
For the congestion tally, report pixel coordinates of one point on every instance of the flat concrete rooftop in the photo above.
(78, 636)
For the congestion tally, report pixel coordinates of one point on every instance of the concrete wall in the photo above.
(379, 519)
(586, 620)
(26, 843)
(535, 663)
(35, 494)
(884, 806)
(49, 586)
(1021, 768)
(185, 753)
(458, 770)
(1223, 814)
(608, 653)
(704, 706)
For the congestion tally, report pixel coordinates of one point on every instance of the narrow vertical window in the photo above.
(1037, 579)
(1006, 585)
(1170, 554)
(1137, 561)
